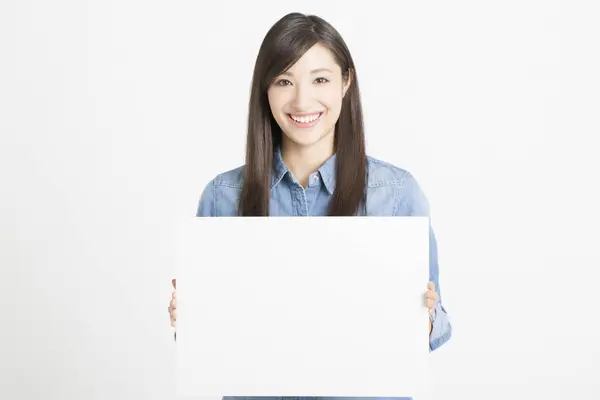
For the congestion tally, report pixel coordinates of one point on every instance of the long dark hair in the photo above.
(285, 43)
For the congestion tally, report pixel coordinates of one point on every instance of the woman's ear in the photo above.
(348, 76)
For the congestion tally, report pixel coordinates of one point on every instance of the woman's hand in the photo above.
(431, 298)
(173, 305)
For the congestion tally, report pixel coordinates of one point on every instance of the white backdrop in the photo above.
(115, 114)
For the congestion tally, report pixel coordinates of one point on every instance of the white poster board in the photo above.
(288, 306)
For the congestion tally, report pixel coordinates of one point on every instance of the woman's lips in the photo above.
(305, 120)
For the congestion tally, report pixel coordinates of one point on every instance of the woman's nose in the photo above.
(303, 98)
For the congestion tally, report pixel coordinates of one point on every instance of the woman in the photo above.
(305, 153)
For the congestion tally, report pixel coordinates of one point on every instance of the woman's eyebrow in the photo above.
(314, 71)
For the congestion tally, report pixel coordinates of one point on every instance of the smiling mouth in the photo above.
(305, 120)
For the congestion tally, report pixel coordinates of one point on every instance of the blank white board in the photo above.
(288, 306)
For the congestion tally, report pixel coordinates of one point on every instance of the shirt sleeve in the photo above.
(206, 205)
(416, 204)
(442, 329)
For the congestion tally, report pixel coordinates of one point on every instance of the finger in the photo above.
(174, 283)
(427, 303)
(431, 285)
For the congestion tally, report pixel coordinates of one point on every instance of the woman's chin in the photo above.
(305, 138)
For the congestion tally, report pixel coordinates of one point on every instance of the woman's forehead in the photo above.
(317, 59)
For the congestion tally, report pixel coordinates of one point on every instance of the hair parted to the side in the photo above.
(284, 44)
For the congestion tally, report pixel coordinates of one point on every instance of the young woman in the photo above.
(305, 152)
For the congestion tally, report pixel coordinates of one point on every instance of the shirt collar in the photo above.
(327, 171)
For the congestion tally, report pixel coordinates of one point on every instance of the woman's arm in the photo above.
(414, 203)
(440, 329)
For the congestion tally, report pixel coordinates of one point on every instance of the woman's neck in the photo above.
(304, 160)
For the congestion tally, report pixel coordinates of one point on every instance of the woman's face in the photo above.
(306, 100)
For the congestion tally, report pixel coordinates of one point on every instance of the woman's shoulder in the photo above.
(383, 173)
(409, 197)
(220, 194)
(230, 178)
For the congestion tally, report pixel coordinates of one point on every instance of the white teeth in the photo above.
(305, 120)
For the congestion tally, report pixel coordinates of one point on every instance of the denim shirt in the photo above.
(391, 191)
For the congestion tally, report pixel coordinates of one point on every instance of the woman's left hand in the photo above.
(431, 298)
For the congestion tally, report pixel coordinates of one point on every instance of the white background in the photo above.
(115, 114)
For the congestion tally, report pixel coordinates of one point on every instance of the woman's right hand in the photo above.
(173, 305)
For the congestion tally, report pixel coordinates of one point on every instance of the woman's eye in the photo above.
(321, 80)
(283, 82)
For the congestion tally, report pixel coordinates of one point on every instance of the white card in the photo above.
(302, 306)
